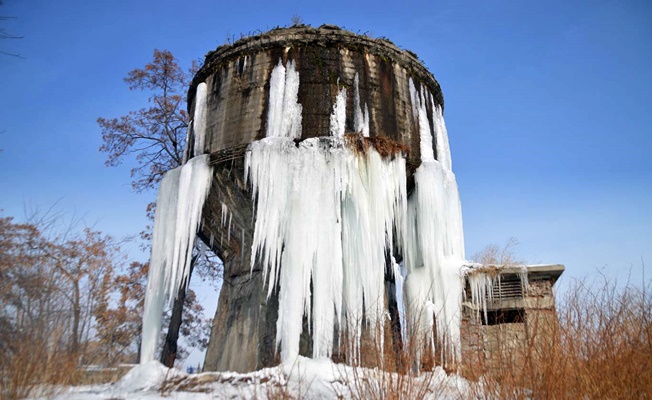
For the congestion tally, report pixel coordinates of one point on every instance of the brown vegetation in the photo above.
(601, 348)
(52, 286)
(66, 311)
(387, 148)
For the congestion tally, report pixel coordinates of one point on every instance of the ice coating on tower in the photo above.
(328, 219)
(326, 214)
(181, 196)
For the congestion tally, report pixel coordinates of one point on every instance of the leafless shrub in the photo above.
(495, 254)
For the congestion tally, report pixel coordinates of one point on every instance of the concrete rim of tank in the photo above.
(325, 35)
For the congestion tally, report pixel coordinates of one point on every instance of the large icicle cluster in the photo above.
(326, 217)
(434, 250)
(178, 212)
(324, 214)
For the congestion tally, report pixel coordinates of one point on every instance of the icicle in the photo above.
(435, 243)
(414, 99)
(242, 246)
(162, 254)
(523, 276)
(201, 247)
(187, 150)
(360, 120)
(228, 238)
(244, 64)
(421, 115)
(199, 119)
(194, 184)
(398, 272)
(284, 111)
(178, 213)
(225, 214)
(441, 137)
(482, 287)
(338, 116)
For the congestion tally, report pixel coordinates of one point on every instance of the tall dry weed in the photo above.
(36, 367)
(391, 369)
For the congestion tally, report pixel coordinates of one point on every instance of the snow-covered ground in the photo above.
(305, 378)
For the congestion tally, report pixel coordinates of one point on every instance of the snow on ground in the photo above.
(305, 378)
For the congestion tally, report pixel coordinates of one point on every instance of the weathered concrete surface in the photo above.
(237, 76)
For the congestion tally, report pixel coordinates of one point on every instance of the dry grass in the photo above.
(390, 370)
(600, 348)
(34, 366)
(31, 366)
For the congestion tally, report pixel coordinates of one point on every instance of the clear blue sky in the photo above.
(547, 107)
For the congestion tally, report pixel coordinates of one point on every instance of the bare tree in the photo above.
(86, 265)
(155, 135)
(494, 254)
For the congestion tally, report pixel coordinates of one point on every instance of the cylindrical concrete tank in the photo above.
(377, 75)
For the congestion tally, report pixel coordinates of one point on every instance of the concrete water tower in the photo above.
(377, 75)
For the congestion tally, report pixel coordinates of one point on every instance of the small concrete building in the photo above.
(519, 315)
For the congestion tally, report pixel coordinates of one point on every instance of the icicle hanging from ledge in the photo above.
(360, 119)
(484, 278)
(435, 241)
(284, 114)
(199, 119)
(181, 197)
